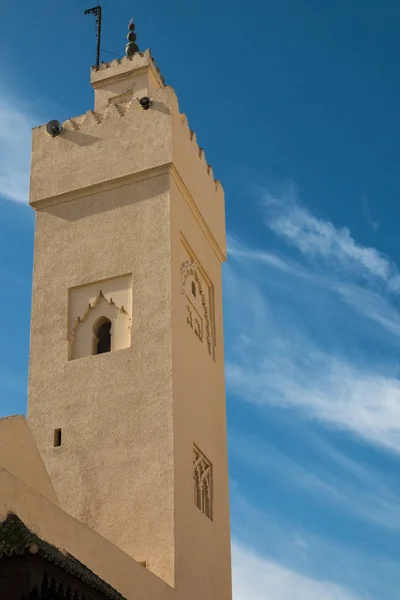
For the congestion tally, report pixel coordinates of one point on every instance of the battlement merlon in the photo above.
(122, 79)
(121, 143)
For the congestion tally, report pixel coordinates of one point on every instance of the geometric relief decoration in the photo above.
(197, 298)
(202, 482)
(97, 305)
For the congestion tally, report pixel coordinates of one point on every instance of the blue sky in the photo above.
(297, 107)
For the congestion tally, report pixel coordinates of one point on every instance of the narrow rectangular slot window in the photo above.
(57, 438)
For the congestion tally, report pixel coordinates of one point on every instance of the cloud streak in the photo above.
(367, 302)
(310, 334)
(322, 387)
(285, 545)
(291, 372)
(273, 359)
(320, 239)
(16, 122)
(258, 578)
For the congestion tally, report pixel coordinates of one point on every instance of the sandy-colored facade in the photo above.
(127, 445)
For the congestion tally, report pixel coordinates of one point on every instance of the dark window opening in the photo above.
(194, 289)
(57, 438)
(103, 337)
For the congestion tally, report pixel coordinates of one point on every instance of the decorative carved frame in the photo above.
(190, 268)
(202, 482)
(91, 306)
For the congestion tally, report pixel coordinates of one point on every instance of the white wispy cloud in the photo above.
(274, 362)
(294, 374)
(324, 388)
(282, 350)
(366, 301)
(320, 239)
(258, 578)
(283, 544)
(16, 122)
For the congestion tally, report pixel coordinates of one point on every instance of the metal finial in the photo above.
(131, 48)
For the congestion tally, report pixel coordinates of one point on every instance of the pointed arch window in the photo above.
(97, 323)
(102, 336)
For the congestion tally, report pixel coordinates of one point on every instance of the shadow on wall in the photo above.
(95, 203)
(78, 138)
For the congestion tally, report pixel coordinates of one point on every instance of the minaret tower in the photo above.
(126, 386)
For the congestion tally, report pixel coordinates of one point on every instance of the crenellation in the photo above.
(120, 67)
(193, 139)
(194, 178)
(78, 120)
(118, 111)
(70, 124)
(107, 65)
(202, 157)
(118, 61)
(125, 125)
(90, 119)
(114, 111)
(156, 67)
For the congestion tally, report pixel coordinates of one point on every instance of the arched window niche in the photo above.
(101, 336)
(102, 328)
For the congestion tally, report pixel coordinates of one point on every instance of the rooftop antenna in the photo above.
(96, 11)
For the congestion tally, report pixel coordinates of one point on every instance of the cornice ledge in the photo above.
(120, 76)
(103, 186)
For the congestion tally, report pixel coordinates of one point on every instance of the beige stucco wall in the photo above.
(114, 468)
(20, 457)
(100, 151)
(124, 79)
(94, 150)
(58, 528)
(199, 418)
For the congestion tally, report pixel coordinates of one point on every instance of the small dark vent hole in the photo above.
(194, 289)
(57, 438)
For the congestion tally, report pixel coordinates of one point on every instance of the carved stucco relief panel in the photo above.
(197, 295)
